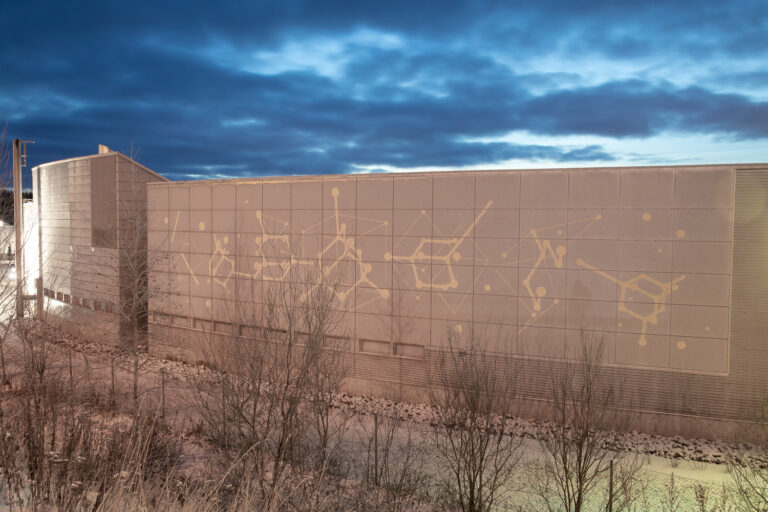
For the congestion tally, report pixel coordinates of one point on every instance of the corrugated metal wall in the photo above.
(748, 382)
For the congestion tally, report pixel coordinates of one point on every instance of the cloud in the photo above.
(297, 87)
(636, 108)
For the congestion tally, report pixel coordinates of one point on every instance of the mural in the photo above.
(531, 268)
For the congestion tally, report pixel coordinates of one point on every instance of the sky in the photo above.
(199, 90)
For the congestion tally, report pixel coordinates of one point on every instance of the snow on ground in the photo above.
(660, 449)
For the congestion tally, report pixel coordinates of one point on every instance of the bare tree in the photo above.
(281, 375)
(134, 262)
(300, 316)
(474, 390)
(577, 448)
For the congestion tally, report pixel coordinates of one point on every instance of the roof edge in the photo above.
(97, 155)
(288, 177)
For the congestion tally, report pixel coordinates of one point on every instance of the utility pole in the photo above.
(19, 160)
(17, 220)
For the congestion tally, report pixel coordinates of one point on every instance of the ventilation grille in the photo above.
(749, 286)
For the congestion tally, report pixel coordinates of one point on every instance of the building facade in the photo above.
(665, 265)
(89, 210)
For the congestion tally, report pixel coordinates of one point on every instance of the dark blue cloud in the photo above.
(215, 91)
(639, 109)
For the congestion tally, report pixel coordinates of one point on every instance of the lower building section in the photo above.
(667, 403)
(82, 317)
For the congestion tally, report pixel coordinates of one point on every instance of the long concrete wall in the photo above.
(644, 255)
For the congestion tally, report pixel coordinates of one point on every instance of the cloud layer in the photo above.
(296, 87)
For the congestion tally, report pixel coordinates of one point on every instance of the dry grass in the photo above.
(65, 446)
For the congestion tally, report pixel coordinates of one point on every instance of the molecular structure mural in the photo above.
(538, 290)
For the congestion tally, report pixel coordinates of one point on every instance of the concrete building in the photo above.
(89, 209)
(668, 264)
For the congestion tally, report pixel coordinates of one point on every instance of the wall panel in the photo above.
(642, 255)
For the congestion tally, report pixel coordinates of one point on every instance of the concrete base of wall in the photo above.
(174, 353)
(405, 379)
(85, 332)
(663, 424)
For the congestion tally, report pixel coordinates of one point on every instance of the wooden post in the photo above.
(224, 415)
(39, 299)
(112, 391)
(136, 380)
(610, 488)
(375, 449)
(2, 363)
(17, 219)
(162, 388)
(71, 376)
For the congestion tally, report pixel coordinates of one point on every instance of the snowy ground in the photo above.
(692, 461)
(178, 374)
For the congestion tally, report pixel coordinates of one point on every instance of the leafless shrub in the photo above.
(474, 393)
(670, 498)
(576, 450)
(631, 493)
(724, 501)
(749, 468)
(55, 453)
(393, 464)
(280, 378)
(705, 500)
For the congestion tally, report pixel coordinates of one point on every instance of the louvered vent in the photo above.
(749, 285)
